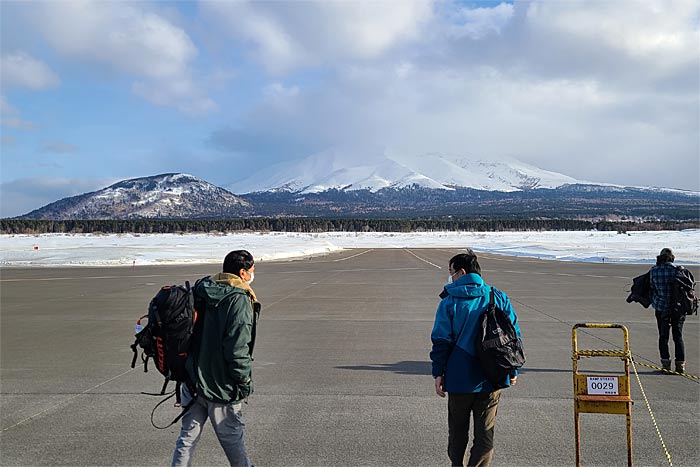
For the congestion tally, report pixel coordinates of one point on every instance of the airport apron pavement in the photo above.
(342, 370)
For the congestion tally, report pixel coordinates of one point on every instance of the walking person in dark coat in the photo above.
(662, 277)
(220, 364)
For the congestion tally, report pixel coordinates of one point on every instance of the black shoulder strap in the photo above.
(685, 272)
(136, 354)
(492, 300)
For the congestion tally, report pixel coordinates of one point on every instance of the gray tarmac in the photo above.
(341, 371)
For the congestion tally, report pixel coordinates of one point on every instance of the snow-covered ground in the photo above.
(130, 249)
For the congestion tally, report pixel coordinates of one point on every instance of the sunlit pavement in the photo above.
(341, 369)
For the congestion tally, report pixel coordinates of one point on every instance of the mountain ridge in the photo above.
(338, 169)
(422, 187)
(169, 195)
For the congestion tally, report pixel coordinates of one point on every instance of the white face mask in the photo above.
(449, 278)
(252, 276)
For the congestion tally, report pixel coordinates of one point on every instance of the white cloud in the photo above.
(479, 22)
(641, 28)
(580, 127)
(289, 35)
(276, 90)
(603, 90)
(17, 123)
(119, 34)
(58, 147)
(22, 70)
(179, 93)
(369, 28)
(650, 39)
(404, 69)
(10, 117)
(130, 39)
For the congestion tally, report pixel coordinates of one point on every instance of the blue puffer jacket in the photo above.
(454, 334)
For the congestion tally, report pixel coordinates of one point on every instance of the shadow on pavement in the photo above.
(408, 367)
(401, 368)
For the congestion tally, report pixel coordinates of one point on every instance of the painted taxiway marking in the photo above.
(339, 259)
(305, 271)
(422, 259)
(82, 278)
(353, 256)
(63, 402)
(496, 256)
(565, 274)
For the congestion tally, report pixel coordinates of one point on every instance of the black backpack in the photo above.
(166, 338)
(498, 347)
(684, 300)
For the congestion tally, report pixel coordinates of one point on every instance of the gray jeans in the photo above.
(228, 426)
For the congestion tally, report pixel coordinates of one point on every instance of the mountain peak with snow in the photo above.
(349, 170)
(171, 195)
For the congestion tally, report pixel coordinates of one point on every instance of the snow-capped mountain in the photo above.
(327, 185)
(159, 196)
(348, 171)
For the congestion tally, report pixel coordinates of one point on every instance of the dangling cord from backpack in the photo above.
(162, 391)
(185, 409)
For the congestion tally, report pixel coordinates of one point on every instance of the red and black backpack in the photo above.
(167, 337)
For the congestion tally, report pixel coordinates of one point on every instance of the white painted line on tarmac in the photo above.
(47, 279)
(496, 256)
(340, 259)
(81, 278)
(539, 273)
(607, 277)
(304, 271)
(380, 269)
(353, 256)
(424, 260)
(67, 400)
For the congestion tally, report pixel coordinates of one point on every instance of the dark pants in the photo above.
(667, 322)
(484, 406)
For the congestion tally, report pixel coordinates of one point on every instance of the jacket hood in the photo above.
(468, 286)
(216, 294)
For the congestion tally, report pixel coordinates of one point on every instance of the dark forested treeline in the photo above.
(299, 224)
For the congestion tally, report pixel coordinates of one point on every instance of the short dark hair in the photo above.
(237, 260)
(666, 256)
(466, 261)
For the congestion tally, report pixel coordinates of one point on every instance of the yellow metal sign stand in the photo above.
(602, 393)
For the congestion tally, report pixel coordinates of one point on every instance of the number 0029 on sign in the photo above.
(603, 385)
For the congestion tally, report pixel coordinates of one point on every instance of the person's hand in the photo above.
(513, 380)
(438, 387)
(245, 389)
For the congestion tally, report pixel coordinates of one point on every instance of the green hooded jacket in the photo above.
(220, 364)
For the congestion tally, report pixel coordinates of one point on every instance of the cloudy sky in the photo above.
(94, 91)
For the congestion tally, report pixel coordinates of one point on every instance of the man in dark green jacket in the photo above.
(220, 363)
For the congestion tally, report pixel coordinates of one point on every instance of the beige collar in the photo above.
(234, 281)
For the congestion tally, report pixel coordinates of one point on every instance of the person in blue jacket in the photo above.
(455, 366)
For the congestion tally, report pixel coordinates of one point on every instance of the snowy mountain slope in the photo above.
(352, 183)
(160, 196)
(344, 170)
